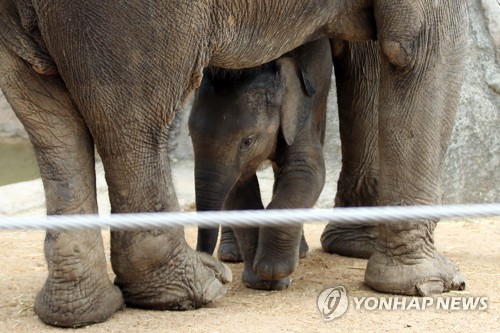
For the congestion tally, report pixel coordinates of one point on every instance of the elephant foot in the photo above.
(277, 254)
(356, 240)
(73, 304)
(252, 280)
(431, 276)
(229, 250)
(182, 281)
(77, 291)
(304, 247)
(271, 267)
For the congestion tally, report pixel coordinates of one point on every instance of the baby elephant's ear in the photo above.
(297, 98)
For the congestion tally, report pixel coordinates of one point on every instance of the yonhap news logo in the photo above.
(333, 303)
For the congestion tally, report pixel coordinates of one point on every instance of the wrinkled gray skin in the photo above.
(113, 75)
(357, 77)
(242, 118)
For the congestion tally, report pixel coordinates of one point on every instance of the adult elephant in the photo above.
(114, 74)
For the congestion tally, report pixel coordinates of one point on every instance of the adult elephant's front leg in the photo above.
(77, 291)
(421, 73)
(128, 97)
(156, 268)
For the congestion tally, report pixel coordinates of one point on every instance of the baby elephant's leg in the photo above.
(246, 195)
(298, 185)
(229, 250)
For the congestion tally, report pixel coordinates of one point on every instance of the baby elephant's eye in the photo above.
(247, 142)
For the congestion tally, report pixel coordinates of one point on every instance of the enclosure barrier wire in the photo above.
(369, 215)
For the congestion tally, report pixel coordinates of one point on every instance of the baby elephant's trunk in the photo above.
(210, 196)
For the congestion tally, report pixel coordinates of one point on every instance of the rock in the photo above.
(491, 12)
(471, 168)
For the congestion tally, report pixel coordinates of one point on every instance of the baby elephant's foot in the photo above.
(252, 280)
(229, 249)
(178, 278)
(430, 275)
(350, 240)
(304, 247)
(274, 267)
(277, 253)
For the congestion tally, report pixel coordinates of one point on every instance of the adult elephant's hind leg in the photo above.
(77, 290)
(357, 79)
(421, 75)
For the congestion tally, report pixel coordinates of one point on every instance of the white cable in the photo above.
(251, 217)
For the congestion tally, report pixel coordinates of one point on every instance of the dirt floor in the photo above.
(473, 244)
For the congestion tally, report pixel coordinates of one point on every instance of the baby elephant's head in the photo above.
(239, 116)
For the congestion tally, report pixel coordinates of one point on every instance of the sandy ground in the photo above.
(473, 244)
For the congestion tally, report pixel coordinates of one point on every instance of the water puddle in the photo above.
(17, 162)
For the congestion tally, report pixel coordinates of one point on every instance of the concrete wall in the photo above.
(472, 170)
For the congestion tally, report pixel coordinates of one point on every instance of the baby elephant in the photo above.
(241, 118)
